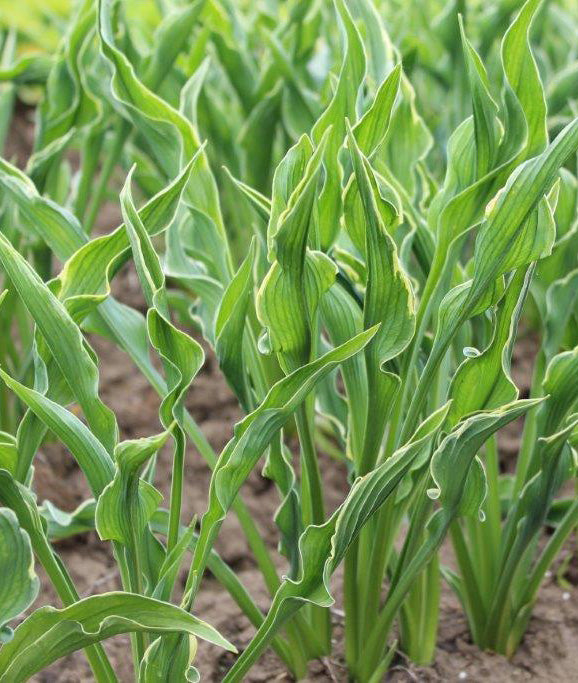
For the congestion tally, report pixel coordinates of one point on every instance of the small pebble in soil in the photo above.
(462, 675)
(565, 595)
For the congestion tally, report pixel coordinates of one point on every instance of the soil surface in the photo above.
(549, 651)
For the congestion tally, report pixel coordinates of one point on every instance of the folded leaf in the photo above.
(282, 304)
(523, 79)
(486, 125)
(461, 487)
(371, 129)
(128, 502)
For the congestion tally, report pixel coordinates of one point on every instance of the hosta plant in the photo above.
(358, 301)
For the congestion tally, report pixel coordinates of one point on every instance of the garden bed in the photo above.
(549, 651)
(393, 286)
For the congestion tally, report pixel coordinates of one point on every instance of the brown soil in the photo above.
(549, 651)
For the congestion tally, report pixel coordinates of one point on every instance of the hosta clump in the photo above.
(372, 312)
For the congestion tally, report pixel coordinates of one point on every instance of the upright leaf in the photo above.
(388, 300)
(342, 106)
(230, 327)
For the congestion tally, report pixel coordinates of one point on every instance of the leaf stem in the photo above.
(374, 646)
(311, 490)
(90, 155)
(177, 477)
(136, 586)
(121, 132)
(530, 428)
(313, 513)
(423, 316)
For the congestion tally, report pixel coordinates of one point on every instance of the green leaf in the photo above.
(549, 469)
(388, 300)
(459, 487)
(253, 433)
(49, 633)
(170, 135)
(218, 567)
(289, 174)
(28, 69)
(65, 342)
(388, 295)
(489, 372)
(342, 106)
(23, 502)
(8, 452)
(84, 280)
(257, 137)
(68, 105)
(354, 212)
(278, 468)
(282, 303)
(342, 316)
(371, 129)
(63, 525)
(168, 573)
(93, 459)
(128, 502)
(192, 275)
(230, 327)
(561, 298)
(487, 128)
(260, 203)
(181, 355)
(298, 104)
(561, 88)
(168, 40)
(561, 385)
(377, 44)
(517, 230)
(39, 216)
(531, 240)
(168, 658)
(407, 142)
(239, 66)
(523, 80)
(20, 585)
